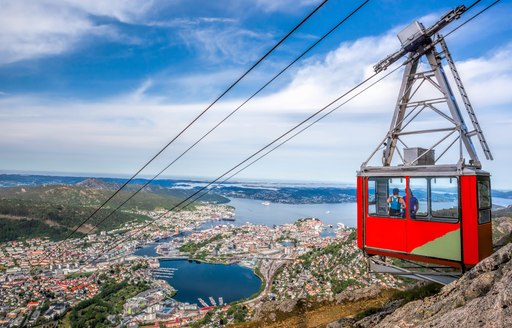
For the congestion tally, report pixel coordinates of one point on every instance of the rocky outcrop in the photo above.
(358, 294)
(501, 231)
(480, 298)
(374, 319)
(268, 311)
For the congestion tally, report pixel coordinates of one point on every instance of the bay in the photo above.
(194, 280)
(254, 211)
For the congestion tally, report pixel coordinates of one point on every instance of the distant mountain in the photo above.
(98, 184)
(502, 194)
(14, 180)
(274, 192)
(292, 195)
(54, 210)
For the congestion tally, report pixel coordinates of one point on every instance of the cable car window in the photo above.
(444, 198)
(484, 193)
(418, 198)
(484, 200)
(377, 196)
(385, 197)
(372, 204)
(396, 193)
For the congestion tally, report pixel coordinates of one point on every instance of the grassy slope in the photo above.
(319, 314)
(27, 212)
(79, 196)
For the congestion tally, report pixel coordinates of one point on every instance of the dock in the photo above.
(203, 303)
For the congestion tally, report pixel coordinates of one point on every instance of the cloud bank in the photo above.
(117, 135)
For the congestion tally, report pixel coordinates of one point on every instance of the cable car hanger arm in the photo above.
(420, 38)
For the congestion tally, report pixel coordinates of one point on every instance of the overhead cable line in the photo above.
(474, 16)
(279, 138)
(248, 159)
(340, 105)
(234, 111)
(194, 120)
(293, 135)
(229, 115)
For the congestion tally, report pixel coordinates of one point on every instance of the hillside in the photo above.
(291, 195)
(287, 193)
(93, 192)
(54, 210)
(481, 298)
(24, 219)
(485, 288)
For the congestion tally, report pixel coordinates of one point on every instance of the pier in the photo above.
(212, 301)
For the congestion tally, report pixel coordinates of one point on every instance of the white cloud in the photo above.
(229, 43)
(193, 21)
(120, 134)
(489, 77)
(32, 29)
(284, 5)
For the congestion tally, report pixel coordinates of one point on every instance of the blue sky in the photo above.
(99, 87)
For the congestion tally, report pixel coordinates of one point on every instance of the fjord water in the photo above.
(250, 210)
(195, 279)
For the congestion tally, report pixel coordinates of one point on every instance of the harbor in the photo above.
(207, 284)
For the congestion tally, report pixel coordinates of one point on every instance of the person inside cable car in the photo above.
(396, 203)
(414, 205)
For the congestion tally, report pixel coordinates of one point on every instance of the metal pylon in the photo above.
(465, 99)
(407, 111)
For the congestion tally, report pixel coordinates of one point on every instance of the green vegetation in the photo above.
(139, 266)
(207, 319)
(404, 296)
(239, 312)
(23, 219)
(192, 247)
(417, 292)
(368, 312)
(78, 195)
(110, 301)
(79, 275)
(20, 229)
(53, 210)
(340, 285)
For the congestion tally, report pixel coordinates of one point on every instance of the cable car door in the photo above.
(385, 224)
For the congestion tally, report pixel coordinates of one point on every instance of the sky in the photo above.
(98, 87)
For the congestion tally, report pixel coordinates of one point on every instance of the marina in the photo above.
(197, 282)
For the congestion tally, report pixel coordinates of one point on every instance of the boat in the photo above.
(265, 203)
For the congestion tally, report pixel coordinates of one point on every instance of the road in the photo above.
(268, 268)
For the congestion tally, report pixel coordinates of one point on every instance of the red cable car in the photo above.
(448, 224)
(415, 207)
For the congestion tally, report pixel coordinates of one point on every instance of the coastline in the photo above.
(254, 270)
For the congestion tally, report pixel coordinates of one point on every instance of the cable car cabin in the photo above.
(443, 217)
(413, 207)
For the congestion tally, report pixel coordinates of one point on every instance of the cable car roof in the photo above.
(421, 170)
